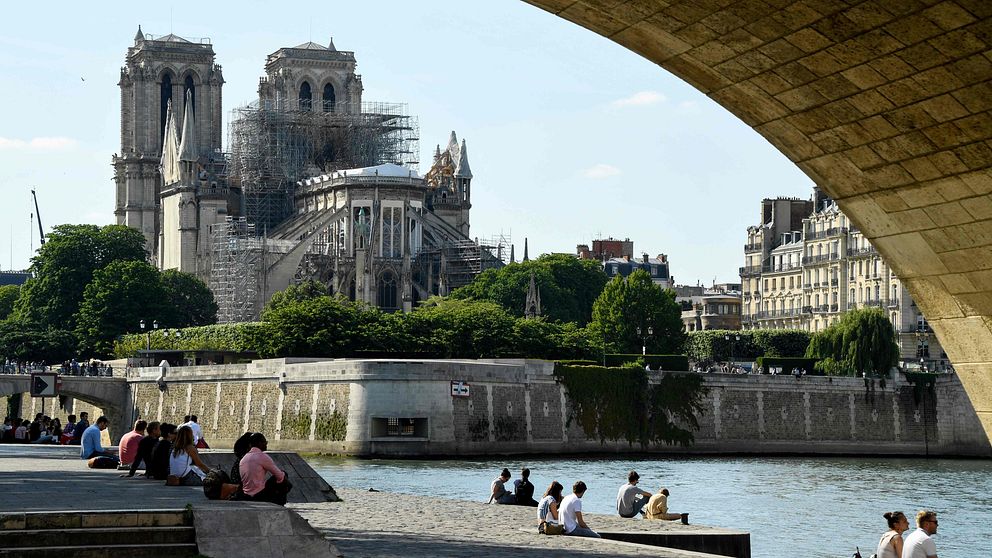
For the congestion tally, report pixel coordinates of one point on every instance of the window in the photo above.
(387, 291)
(165, 96)
(853, 297)
(328, 98)
(306, 97)
(766, 284)
(860, 268)
(392, 232)
(188, 87)
(792, 282)
(782, 282)
(878, 292)
(383, 427)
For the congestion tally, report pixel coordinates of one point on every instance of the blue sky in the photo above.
(570, 136)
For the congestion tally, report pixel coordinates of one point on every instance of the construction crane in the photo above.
(41, 230)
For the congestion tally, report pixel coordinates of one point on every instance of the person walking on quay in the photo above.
(90, 445)
(523, 489)
(128, 446)
(145, 450)
(254, 465)
(499, 493)
(547, 509)
(658, 508)
(890, 546)
(81, 426)
(185, 467)
(920, 543)
(571, 513)
(631, 499)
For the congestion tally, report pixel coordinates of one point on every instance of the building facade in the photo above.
(807, 277)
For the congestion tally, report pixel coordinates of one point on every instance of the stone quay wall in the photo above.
(406, 408)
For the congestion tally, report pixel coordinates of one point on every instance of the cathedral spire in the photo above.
(526, 257)
(532, 307)
(461, 168)
(187, 147)
(453, 145)
(513, 258)
(170, 147)
(437, 152)
(139, 36)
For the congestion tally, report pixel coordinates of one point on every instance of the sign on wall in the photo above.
(459, 389)
(44, 385)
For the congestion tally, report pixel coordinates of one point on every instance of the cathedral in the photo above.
(315, 183)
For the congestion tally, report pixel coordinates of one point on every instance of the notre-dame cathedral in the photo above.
(314, 183)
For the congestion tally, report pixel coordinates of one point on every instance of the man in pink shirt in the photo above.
(128, 447)
(253, 467)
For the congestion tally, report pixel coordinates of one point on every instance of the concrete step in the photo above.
(96, 536)
(79, 519)
(103, 551)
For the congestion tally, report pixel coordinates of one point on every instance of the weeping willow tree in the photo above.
(862, 341)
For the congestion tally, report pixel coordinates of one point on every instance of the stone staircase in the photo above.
(98, 534)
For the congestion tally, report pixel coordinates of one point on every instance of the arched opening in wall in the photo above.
(165, 96)
(190, 89)
(306, 97)
(352, 290)
(328, 98)
(387, 292)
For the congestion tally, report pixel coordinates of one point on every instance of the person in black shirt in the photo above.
(158, 468)
(524, 489)
(82, 425)
(146, 447)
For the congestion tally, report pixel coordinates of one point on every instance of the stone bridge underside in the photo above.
(884, 104)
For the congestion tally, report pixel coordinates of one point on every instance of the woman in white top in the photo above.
(547, 509)
(185, 467)
(891, 544)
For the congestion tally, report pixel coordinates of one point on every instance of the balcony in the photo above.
(752, 248)
(893, 303)
(834, 282)
(833, 231)
(807, 310)
(773, 314)
(770, 268)
(812, 260)
(807, 286)
(861, 252)
(750, 270)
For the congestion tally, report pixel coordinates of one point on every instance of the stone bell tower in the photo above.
(158, 70)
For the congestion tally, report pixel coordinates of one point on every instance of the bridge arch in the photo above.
(112, 395)
(885, 105)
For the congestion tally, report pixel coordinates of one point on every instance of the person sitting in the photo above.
(241, 447)
(128, 446)
(891, 543)
(254, 465)
(21, 431)
(81, 426)
(67, 432)
(631, 499)
(158, 468)
(571, 513)
(523, 489)
(146, 449)
(185, 467)
(217, 485)
(547, 509)
(90, 445)
(658, 508)
(499, 492)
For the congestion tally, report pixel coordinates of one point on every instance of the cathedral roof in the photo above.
(171, 38)
(187, 145)
(310, 45)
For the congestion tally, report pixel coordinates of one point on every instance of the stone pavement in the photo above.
(52, 478)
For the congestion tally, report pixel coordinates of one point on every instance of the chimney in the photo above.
(644, 258)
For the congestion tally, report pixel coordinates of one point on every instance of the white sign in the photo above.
(459, 389)
(44, 385)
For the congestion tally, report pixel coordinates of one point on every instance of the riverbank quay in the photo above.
(383, 524)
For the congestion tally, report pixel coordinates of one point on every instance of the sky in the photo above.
(570, 136)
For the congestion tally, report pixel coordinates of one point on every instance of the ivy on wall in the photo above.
(331, 427)
(621, 404)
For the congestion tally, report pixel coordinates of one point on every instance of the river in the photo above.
(792, 506)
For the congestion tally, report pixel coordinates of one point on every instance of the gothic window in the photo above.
(362, 228)
(166, 94)
(328, 98)
(188, 87)
(392, 232)
(306, 97)
(387, 291)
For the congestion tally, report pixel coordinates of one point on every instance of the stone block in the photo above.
(100, 520)
(950, 213)
(979, 207)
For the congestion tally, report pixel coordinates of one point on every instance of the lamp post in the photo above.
(644, 339)
(148, 333)
(732, 343)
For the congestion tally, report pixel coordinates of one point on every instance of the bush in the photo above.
(656, 362)
(245, 337)
(711, 345)
(787, 364)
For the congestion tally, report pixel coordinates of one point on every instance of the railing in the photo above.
(833, 231)
(893, 303)
(750, 270)
(857, 252)
(810, 260)
(807, 310)
(807, 286)
(753, 247)
(916, 329)
(822, 309)
(770, 314)
(834, 282)
(770, 268)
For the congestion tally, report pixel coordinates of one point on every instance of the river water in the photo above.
(792, 506)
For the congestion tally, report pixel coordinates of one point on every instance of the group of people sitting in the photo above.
(42, 430)
(558, 515)
(170, 453)
(919, 543)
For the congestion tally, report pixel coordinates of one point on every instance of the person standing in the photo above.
(631, 499)
(920, 543)
(253, 468)
(128, 446)
(890, 545)
(570, 513)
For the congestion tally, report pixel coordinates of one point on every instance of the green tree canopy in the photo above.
(862, 341)
(320, 327)
(25, 342)
(636, 302)
(461, 328)
(120, 295)
(190, 300)
(65, 265)
(568, 286)
(8, 295)
(296, 293)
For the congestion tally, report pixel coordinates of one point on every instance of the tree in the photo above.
(461, 328)
(25, 342)
(65, 265)
(862, 341)
(120, 295)
(321, 327)
(296, 293)
(627, 304)
(568, 285)
(8, 295)
(190, 300)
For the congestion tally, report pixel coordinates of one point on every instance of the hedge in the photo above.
(787, 364)
(241, 337)
(656, 362)
(712, 345)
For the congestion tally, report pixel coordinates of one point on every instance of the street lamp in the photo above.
(644, 339)
(736, 339)
(148, 333)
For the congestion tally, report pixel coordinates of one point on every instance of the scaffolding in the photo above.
(274, 146)
(236, 269)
